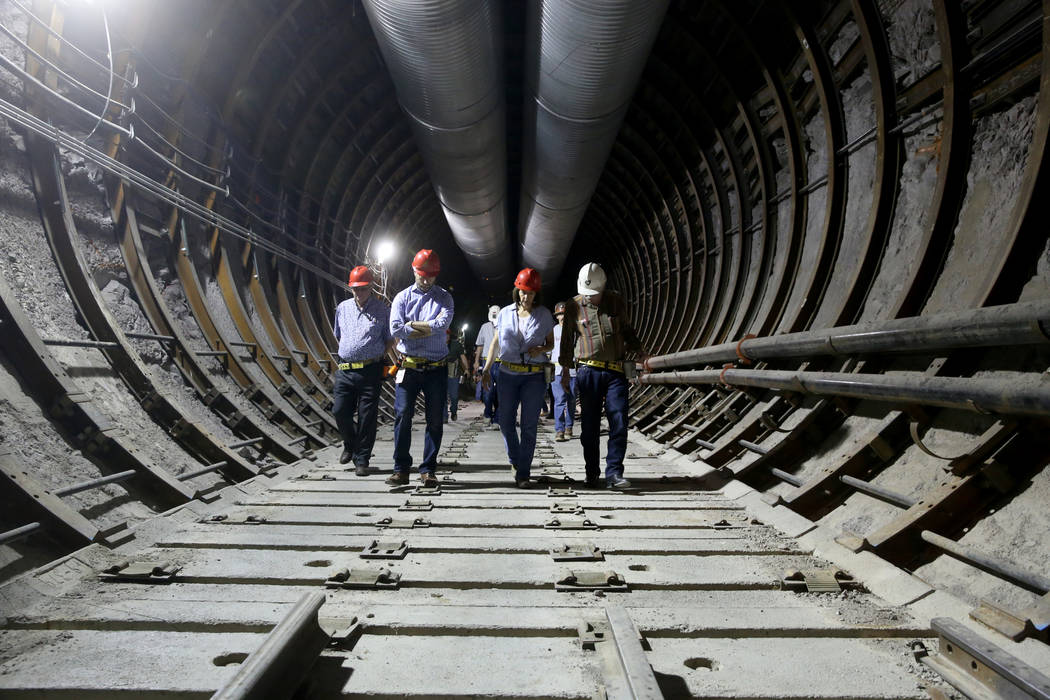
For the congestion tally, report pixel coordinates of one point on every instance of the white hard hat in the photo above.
(591, 280)
(493, 311)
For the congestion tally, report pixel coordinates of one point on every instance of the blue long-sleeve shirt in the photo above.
(362, 332)
(434, 307)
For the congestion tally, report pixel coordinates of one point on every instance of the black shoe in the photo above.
(361, 470)
(397, 479)
(593, 483)
(345, 457)
(453, 416)
(523, 483)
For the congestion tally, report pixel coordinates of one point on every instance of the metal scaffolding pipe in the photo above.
(891, 497)
(245, 443)
(94, 483)
(784, 476)
(1011, 324)
(69, 343)
(1036, 583)
(1014, 396)
(18, 533)
(202, 470)
(151, 336)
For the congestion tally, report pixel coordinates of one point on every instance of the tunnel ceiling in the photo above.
(719, 194)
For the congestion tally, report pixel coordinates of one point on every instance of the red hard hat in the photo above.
(427, 263)
(360, 276)
(528, 280)
(559, 308)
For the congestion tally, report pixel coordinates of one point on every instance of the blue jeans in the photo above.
(452, 405)
(492, 397)
(357, 391)
(564, 404)
(526, 389)
(597, 387)
(434, 386)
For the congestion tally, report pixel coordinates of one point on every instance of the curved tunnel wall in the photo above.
(782, 167)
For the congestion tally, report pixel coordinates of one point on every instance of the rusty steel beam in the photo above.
(83, 424)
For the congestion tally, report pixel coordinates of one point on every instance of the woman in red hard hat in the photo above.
(524, 336)
(362, 327)
(419, 317)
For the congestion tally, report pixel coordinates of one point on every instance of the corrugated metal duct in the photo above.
(445, 58)
(583, 61)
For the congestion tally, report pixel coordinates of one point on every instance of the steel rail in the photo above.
(277, 667)
(1022, 323)
(980, 395)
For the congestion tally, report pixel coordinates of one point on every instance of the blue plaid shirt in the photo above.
(362, 332)
(435, 307)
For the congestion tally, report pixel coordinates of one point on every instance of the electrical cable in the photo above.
(109, 90)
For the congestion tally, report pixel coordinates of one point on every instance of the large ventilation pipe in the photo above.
(445, 58)
(582, 64)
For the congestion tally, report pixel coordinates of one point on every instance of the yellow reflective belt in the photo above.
(614, 366)
(357, 365)
(522, 368)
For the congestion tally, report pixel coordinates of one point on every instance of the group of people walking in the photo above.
(588, 337)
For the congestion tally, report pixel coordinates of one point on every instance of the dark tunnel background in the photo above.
(783, 167)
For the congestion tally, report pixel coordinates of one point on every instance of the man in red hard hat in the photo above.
(362, 327)
(419, 317)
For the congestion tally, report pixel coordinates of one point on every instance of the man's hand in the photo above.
(416, 333)
(565, 384)
(486, 380)
(536, 351)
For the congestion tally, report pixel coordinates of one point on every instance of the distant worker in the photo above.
(524, 334)
(362, 327)
(481, 348)
(458, 367)
(564, 399)
(596, 335)
(419, 317)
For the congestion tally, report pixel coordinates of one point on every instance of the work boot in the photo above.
(593, 482)
(523, 483)
(618, 482)
(397, 479)
(429, 480)
(361, 470)
(345, 457)
(560, 436)
(568, 432)
(453, 416)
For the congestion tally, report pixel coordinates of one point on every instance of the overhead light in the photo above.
(385, 250)
(465, 327)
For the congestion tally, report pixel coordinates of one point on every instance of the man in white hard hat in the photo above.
(596, 338)
(485, 335)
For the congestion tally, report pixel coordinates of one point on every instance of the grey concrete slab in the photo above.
(478, 568)
(486, 518)
(811, 667)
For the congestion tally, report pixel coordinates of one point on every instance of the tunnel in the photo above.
(823, 218)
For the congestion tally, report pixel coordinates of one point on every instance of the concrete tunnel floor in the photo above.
(476, 612)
